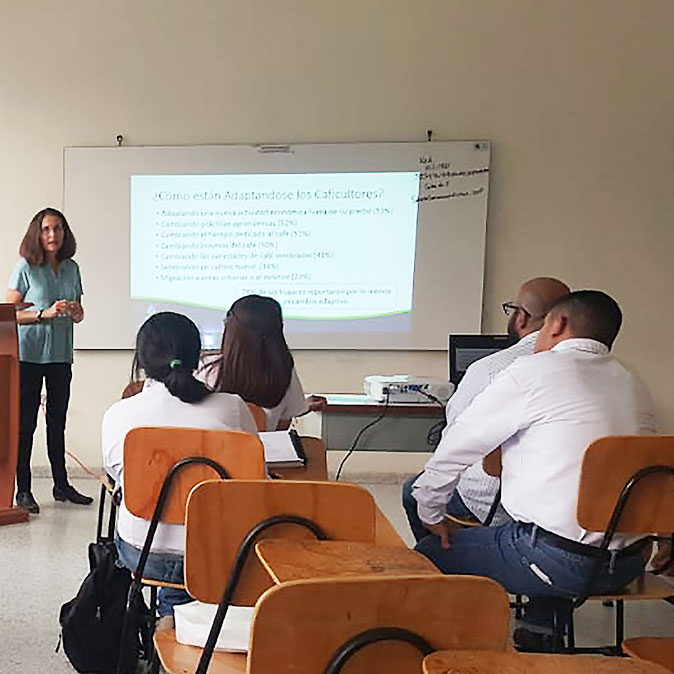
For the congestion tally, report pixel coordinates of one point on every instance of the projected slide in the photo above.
(327, 246)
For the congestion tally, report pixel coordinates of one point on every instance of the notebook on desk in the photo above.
(283, 449)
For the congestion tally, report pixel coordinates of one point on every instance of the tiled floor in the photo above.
(43, 563)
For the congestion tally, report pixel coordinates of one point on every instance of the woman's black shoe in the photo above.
(69, 493)
(25, 500)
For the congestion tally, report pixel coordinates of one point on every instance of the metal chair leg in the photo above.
(570, 632)
(153, 622)
(557, 630)
(619, 625)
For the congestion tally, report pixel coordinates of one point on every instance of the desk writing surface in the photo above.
(489, 662)
(316, 468)
(287, 560)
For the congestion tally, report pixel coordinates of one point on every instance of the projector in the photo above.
(406, 388)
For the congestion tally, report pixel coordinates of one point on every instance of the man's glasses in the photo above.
(510, 308)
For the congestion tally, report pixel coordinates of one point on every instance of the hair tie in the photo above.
(176, 362)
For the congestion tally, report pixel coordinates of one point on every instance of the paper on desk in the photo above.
(194, 620)
(279, 449)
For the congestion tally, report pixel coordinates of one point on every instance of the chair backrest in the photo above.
(608, 465)
(298, 626)
(220, 514)
(259, 415)
(149, 454)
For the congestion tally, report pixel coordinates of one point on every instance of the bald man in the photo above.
(476, 491)
(544, 410)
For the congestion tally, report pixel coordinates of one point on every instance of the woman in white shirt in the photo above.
(255, 362)
(167, 349)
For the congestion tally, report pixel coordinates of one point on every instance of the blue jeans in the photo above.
(516, 558)
(455, 507)
(159, 566)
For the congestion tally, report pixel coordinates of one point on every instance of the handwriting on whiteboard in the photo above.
(451, 195)
(440, 180)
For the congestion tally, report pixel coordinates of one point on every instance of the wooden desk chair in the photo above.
(634, 496)
(162, 465)
(659, 650)
(374, 624)
(343, 512)
(487, 662)
(218, 563)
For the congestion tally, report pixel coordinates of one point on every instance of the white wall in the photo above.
(577, 97)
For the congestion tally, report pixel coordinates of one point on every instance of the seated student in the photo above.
(474, 494)
(167, 349)
(544, 410)
(255, 362)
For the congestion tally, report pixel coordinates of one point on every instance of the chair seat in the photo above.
(654, 649)
(647, 586)
(180, 659)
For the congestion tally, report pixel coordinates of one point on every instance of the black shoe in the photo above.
(25, 500)
(69, 493)
(528, 641)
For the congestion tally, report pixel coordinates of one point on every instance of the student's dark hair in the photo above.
(31, 246)
(255, 361)
(168, 346)
(592, 314)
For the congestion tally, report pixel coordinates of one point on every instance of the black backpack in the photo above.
(91, 623)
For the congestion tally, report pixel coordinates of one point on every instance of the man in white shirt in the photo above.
(476, 490)
(543, 411)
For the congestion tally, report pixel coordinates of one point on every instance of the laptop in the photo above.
(464, 350)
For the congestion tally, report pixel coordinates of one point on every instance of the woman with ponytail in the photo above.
(167, 350)
(255, 362)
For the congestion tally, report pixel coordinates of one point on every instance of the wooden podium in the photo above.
(9, 415)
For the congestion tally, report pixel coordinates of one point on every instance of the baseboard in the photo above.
(362, 467)
(74, 472)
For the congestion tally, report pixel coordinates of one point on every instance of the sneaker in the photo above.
(25, 500)
(69, 493)
(528, 641)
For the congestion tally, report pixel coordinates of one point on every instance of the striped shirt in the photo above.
(477, 489)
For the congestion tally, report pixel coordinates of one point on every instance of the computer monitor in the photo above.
(466, 349)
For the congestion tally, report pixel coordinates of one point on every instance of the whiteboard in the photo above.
(446, 254)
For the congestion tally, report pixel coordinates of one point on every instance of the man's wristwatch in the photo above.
(39, 316)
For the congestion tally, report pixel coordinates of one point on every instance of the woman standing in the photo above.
(46, 281)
